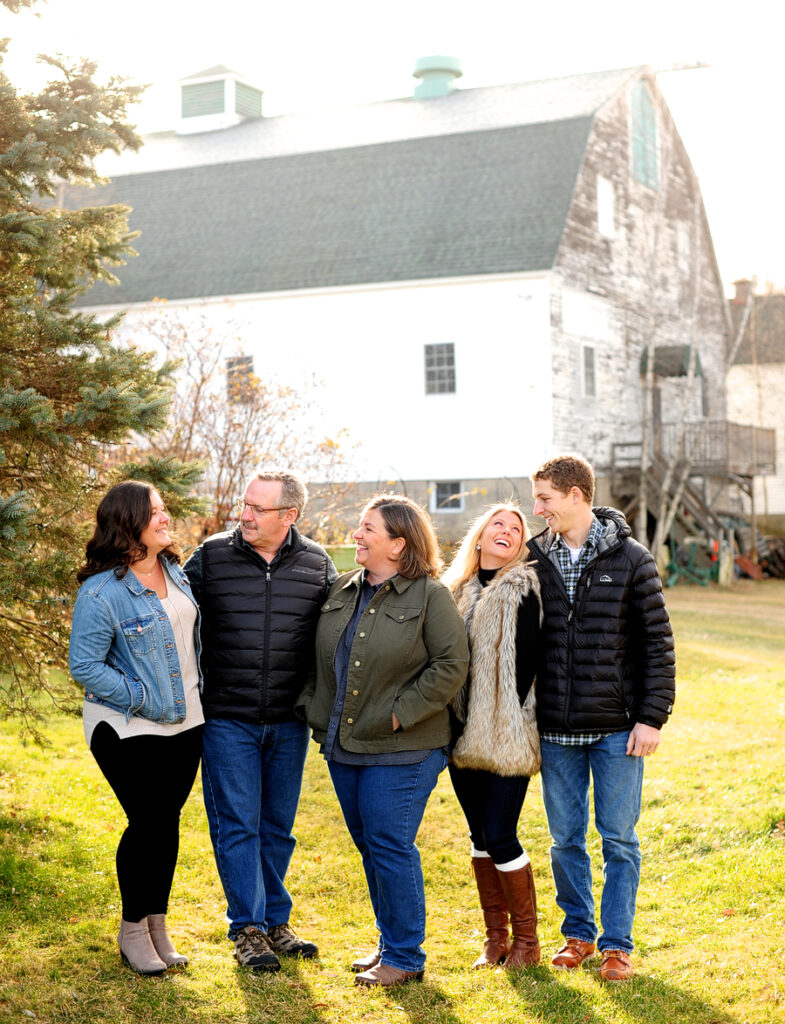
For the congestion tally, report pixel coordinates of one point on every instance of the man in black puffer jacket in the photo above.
(260, 589)
(605, 688)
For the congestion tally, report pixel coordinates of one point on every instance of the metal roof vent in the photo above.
(216, 98)
(437, 76)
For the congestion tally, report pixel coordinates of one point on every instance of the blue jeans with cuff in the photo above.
(618, 783)
(251, 776)
(383, 806)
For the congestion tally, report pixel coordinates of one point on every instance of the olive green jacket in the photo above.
(409, 656)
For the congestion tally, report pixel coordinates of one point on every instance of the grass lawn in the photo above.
(710, 928)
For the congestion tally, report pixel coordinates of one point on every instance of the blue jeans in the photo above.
(251, 775)
(618, 781)
(383, 806)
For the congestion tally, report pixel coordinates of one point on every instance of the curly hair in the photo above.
(566, 472)
(121, 516)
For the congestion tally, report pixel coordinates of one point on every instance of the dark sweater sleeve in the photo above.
(193, 570)
(527, 644)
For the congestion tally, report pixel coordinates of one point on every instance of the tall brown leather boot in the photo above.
(494, 910)
(518, 887)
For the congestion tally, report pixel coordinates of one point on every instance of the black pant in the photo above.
(492, 805)
(151, 777)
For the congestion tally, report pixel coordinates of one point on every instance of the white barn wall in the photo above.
(367, 347)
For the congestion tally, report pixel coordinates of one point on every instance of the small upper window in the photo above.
(446, 496)
(644, 136)
(440, 369)
(605, 208)
(239, 373)
(589, 374)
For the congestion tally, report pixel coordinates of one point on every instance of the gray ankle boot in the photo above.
(137, 949)
(163, 944)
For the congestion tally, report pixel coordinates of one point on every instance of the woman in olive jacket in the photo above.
(391, 652)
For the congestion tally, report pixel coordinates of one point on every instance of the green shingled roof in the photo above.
(474, 203)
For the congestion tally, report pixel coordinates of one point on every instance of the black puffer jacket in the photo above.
(258, 623)
(608, 659)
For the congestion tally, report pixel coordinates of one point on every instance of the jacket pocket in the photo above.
(139, 634)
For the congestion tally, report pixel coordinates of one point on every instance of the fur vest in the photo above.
(499, 736)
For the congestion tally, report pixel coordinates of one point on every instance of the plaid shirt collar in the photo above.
(559, 553)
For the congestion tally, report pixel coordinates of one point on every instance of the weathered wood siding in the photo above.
(635, 285)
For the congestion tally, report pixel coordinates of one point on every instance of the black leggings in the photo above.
(492, 805)
(151, 777)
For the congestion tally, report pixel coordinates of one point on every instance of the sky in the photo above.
(310, 54)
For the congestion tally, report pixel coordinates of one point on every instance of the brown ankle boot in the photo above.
(163, 944)
(518, 887)
(136, 948)
(494, 910)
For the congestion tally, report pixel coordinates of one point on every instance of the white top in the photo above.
(182, 615)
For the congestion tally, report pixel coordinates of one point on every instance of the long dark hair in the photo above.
(122, 515)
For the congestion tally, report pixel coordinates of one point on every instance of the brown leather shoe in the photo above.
(616, 965)
(386, 976)
(365, 963)
(572, 954)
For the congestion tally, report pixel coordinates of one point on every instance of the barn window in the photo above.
(644, 136)
(440, 369)
(239, 378)
(589, 372)
(446, 496)
(605, 208)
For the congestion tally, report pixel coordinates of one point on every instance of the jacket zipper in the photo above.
(266, 657)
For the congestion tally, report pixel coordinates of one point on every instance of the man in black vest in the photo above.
(604, 690)
(260, 588)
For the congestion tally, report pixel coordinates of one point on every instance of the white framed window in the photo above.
(440, 369)
(606, 214)
(588, 372)
(446, 496)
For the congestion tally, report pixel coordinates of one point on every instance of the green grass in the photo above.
(710, 928)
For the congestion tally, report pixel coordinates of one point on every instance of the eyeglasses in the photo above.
(241, 505)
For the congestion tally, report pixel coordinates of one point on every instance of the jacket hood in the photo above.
(616, 530)
(616, 527)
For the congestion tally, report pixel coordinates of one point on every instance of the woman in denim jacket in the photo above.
(135, 650)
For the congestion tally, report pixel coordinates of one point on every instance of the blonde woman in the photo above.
(496, 743)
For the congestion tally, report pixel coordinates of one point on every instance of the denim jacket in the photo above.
(123, 650)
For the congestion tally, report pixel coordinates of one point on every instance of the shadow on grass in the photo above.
(286, 996)
(426, 1003)
(552, 998)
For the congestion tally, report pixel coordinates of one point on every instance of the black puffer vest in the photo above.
(258, 625)
(608, 658)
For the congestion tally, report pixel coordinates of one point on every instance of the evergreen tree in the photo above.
(69, 395)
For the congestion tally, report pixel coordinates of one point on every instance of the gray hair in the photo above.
(294, 493)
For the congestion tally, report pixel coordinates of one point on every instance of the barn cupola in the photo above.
(216, 98)
(437, 76)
